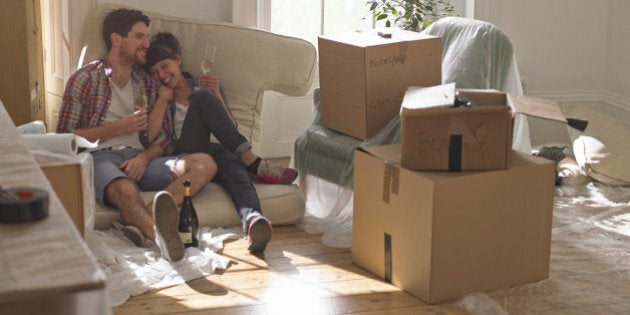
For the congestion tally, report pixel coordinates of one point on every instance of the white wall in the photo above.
(618, 49)
(215, 10)
(575, 51)
(560, 45)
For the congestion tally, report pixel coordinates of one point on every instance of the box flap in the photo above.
(374, 37)
(537, 107)
(390, 153)
(428, 97)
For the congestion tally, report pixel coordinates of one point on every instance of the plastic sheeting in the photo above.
(475, 54)
(133, 270)
(590, 259)
(130, 270)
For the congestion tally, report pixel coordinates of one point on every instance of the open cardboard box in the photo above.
(441, 235)
(438, 136)
(364, 75)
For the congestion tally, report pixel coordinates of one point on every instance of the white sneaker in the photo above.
(166, 219)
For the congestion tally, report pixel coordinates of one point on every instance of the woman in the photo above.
(194, 113)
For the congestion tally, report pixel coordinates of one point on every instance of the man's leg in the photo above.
(122, 194)
(112, 187)
(198, 168)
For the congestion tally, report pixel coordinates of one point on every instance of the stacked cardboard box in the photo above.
(438, 136)
(440, 235)
(364, 76)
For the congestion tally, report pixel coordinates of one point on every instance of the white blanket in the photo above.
(132, 270)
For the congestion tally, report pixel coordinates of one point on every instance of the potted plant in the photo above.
(412, 15)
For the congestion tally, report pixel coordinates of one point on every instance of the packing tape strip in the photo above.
(27, 205)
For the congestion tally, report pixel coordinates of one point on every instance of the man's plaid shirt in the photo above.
(88, 95)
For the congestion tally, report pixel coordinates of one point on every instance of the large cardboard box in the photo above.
(440, 235)
(363, 76)
(438, 136)
(67, 181)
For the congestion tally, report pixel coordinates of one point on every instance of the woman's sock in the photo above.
(253, 168)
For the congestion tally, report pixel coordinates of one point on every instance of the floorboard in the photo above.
(297, 274)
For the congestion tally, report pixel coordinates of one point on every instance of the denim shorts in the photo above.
(157, 176)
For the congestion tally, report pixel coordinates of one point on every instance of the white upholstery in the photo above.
(248, 62)
(282, 204)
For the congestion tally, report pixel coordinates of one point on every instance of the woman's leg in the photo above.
(236, 181)
(206, 115)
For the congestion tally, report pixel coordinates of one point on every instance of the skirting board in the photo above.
(614, 101)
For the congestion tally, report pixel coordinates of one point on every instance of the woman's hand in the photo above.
(210, 83)
(165, 93)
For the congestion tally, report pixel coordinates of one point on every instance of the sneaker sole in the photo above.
(134, 235)
(260, 235)
(166, 219)
(131, 232)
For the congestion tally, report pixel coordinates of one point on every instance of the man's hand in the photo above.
(133, 122)
(135, 167)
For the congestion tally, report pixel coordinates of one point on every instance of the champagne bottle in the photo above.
(188, 221)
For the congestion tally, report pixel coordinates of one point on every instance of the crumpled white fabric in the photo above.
(132, 270)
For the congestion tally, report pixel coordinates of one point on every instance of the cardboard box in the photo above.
(363, 76)
(441, 235)
(438, 136)
(67, 181)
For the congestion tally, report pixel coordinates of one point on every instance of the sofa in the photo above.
(248, 62)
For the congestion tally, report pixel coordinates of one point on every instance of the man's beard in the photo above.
(137, 56)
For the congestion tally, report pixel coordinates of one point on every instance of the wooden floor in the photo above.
(295, 275)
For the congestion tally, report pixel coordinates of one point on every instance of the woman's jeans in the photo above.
(206, 115)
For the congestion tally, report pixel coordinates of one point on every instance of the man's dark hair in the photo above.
(121, 21)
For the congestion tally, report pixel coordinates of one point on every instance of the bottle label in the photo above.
(186, 237)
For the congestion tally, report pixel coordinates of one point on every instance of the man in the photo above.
(98, 104)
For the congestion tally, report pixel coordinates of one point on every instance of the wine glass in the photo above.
(208, 58)
(140, 102)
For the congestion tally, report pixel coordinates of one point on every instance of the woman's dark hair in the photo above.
(120, 22)
(162, 46)
(166, 39)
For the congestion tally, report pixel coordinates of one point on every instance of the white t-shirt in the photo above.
(180, 115)
(120, 106)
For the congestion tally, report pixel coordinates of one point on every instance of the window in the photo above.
(309, 18)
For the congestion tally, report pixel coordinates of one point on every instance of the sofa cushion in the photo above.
(281, 204)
